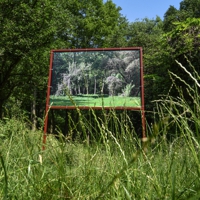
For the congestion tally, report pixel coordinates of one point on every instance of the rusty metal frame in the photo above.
(48, 106)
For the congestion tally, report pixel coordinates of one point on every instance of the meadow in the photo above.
(117, 165)
(95, 101)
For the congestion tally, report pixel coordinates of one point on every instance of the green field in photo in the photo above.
(95, 101)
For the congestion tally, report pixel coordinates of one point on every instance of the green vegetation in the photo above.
(99, 154)
(95, 100)
(73, 24)
(116, 166)
(109, 170)
(107, 160)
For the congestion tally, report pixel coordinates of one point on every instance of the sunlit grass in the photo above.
(96, 101)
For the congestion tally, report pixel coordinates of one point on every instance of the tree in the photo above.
(29, 29)
(124, 69)
(190, 8)
(95, 24)
(25, 27)
(182, 37)
(148, 34)
(183, 45)
(172, 15)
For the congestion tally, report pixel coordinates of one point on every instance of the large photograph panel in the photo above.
(108, 78)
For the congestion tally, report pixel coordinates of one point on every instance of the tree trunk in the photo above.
(1, 109)
(69, 86)
(95, 85)
(79, 89)
(87, 87)
(33, 110)
(102, 88)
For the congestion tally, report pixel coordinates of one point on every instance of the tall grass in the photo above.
(114, 165)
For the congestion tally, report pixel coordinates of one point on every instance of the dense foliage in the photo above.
(114, 166)
(29, 29)
(100, 155)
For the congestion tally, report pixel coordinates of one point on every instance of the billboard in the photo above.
(96, 78)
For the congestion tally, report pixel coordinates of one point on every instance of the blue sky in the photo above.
(140, 9)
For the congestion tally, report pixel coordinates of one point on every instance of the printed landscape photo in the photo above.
(96, 78)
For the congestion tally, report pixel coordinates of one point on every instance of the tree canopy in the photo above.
(29, 29)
